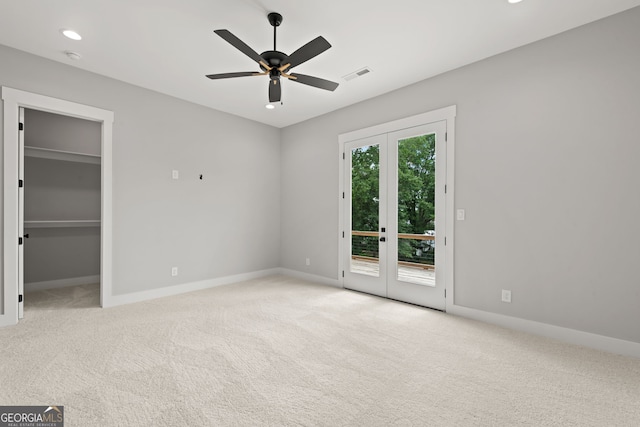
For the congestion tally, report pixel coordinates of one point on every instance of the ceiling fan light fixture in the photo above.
(514, 1)
(70, 34)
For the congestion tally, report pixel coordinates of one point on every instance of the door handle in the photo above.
(383, 239)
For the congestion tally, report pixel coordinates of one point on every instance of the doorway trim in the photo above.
(13, 100)
(447, 114)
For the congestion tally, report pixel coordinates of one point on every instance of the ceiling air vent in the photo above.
(359, 73)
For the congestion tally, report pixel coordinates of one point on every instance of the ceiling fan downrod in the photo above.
(275, 19)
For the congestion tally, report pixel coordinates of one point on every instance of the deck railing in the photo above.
(414, 250)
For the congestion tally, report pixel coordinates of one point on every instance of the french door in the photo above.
(395, 215)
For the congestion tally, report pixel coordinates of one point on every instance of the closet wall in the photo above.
(62, 200)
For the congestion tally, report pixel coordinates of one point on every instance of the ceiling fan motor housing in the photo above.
(273, 58)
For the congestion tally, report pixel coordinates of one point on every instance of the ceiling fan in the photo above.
(276, 64)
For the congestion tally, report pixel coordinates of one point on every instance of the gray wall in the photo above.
(546, 167)
(61, 253)
(58, 132)
(225, 224)
(58, 190)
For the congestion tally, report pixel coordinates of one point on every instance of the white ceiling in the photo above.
(169, 45)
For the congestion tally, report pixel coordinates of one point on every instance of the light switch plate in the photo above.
(460, 214)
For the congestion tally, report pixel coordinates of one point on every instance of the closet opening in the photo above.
(61, 173)
(55, 216)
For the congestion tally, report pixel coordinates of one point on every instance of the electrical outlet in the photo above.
(174, 271)
(308, 261)
(506, 295)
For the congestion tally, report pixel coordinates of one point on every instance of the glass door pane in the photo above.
(365, 210)
(416, 210)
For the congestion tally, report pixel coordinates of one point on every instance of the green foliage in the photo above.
(416, 184)
(365, 190)
(365, 187)
(416, 196)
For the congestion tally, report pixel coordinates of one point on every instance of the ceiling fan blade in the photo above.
(313, 48)
(275, 90)
(313, 81)
(239, 44)
(230, 75)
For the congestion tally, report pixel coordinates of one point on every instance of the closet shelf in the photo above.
(47, 153)
(63, 224)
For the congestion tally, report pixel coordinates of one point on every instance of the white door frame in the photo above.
(447, 114)
(13, 100)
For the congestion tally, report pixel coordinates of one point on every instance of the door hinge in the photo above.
(20, 298)
(19, 240)
(343, 156)
(20, 126)
(445, 293)
(445, 240)
(343, 194)
(445, 189)
(446, 136)
(343, 234)
(20, 183)
(342, 273)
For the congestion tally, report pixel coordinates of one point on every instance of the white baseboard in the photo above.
(61, 283)
(114, 300)
(311, 278)
(571, 336)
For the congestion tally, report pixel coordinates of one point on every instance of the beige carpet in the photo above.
(279, 351)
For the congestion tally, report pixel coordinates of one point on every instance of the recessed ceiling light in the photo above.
(514, 1)
(71, 34)
(269, 106)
